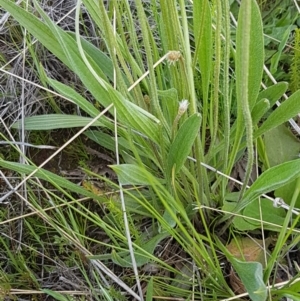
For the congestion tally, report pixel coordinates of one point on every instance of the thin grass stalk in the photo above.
(226, 98)
(112, 46)
(123, 205)
(135, 60)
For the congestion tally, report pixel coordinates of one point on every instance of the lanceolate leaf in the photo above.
(47, 176)
(130, 174)
(273, 93)
(203, 39)
(55, 121)
(270, 180)
(183, 142)
(288, 109)
(256, 54)
(70, 93)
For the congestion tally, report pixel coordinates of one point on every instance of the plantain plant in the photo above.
(175, 102)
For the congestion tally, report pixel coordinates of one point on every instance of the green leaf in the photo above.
(270, 180)
(256, 53)
(169, 103)
(135, 117)
(142, 256)
(47, 176)
(289, 295)
(70, 93)
(55, 121)
(273, 93)
(100, 58)
(260, 108)
(286, 192)
(281, 145)
(251, 275)
(203, 39)
(103, 139)
(283, 40)
(149, 294)
(239, 222)
(56, 295)
(130, 174)
(270, 214)
(183, 142)
(288, 109)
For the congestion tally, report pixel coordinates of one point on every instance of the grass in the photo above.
(150, 151)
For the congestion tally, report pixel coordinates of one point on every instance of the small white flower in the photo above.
(183, 105)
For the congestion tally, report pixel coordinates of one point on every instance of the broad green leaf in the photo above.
(135, 117)
(286, 192)
(270, 214)
(288, 109)
(182, 145)
(239, 222)
(55, 121)
(251, 275)
(130, 174)
(281, 145)
(47, 176)
(273, 93)
(256, 53)
(270, 180)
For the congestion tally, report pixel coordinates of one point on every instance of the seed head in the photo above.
(173, 56)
